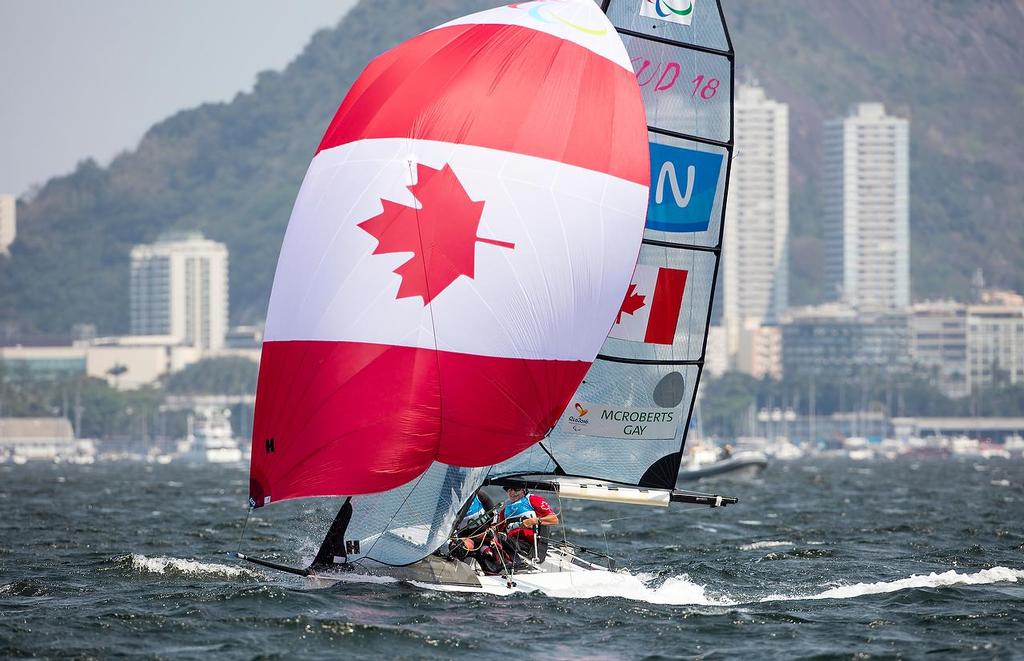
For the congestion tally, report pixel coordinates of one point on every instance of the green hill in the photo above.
(232, 170)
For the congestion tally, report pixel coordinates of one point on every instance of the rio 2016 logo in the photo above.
(676, 11)
(579, 421)
(541, 11)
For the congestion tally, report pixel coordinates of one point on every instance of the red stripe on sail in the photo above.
(463, 84)
(668, 298)
(349, 418)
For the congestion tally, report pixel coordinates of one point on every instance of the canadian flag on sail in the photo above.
(650, 311)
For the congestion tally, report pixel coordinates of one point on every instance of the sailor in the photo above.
(521, 519)
(473, 528)
(477, 514)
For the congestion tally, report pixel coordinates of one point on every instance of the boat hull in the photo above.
(737, 467)
(562, 571)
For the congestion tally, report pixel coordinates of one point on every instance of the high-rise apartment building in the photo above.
(866, 192)
(755, 259)
(8, 222)
(179, 287)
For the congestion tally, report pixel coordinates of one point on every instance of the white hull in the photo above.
(562, 573)
(742, 465)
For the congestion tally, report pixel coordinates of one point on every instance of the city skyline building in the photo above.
(865, 185)
(755, 258)
(995, 340)
(836, 341)
(938, 343)
(179, 288)
(8, 222)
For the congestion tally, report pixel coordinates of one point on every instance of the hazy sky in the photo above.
(86, 78)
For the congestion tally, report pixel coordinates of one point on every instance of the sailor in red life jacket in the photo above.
(521, 518)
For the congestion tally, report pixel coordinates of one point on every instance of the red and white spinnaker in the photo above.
(458, 251)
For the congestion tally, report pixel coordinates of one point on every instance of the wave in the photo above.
(933, 580)
(681, 591)
(161, 565)
(674, 591)
(768, 544)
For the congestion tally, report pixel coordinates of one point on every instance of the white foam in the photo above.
(676, 590)
(933, 580)
(767, 544)
(178, 565)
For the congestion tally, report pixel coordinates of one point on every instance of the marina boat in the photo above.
(499, 272)
(210, 438)
(743, 464)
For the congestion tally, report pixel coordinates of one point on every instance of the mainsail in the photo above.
(628, 422)
(458, 252)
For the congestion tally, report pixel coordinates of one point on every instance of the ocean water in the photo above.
(829, 559)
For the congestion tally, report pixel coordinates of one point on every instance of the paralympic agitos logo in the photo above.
(676, 11)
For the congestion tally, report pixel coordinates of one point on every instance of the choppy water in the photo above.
(828, 559)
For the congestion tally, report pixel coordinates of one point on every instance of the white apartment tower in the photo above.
(179, 287)
(866, 186)
(8, 223)
(755, 262)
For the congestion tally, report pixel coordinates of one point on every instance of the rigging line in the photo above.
(548, 453)
(244, 526)
(561, 508)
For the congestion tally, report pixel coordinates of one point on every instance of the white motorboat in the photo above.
(210, 438)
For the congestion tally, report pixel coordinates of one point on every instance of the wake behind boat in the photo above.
(463, 300)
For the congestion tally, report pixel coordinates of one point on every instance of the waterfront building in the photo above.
(836, 341)
(42, 439)
(968, 346)
(8, 222)
(179, 287)
(995, 339)
(866, 190)
(126, 363)
(938, 343)
(759, 350)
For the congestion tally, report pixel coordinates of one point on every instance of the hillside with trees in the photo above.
(232, 169)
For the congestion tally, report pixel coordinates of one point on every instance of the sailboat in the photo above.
(499, 271)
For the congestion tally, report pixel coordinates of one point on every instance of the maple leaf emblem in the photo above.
(631, 303)
(441, 234)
